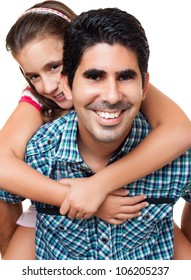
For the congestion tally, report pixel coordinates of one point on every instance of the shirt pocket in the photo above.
(41, 145)
(64, 238)
(140, 235)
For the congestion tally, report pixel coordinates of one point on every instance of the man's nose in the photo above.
(112, 93)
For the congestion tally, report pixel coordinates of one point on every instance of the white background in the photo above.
(167, 25)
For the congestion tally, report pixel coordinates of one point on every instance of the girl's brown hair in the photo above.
(32, 25)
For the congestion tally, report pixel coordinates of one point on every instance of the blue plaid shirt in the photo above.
(53, 151)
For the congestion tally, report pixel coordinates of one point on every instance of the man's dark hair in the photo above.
(111, 26)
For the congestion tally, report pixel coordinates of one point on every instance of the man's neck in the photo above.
(96, 154)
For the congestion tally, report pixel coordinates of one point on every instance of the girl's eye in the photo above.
(32, 78)
(56, 67)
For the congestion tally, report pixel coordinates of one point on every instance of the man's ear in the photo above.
(145, 86)
(65, 87)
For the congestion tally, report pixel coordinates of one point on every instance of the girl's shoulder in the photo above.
(28, 97)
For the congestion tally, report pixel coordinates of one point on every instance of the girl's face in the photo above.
(41, 63)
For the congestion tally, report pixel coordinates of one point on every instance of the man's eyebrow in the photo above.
(92, 72)
(130, 72)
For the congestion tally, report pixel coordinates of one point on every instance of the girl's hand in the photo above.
(83, 198)
(118, 207)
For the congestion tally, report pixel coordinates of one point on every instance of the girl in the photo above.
(36, 41)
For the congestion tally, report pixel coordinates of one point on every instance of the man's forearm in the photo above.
(186, 220)
(9, 214)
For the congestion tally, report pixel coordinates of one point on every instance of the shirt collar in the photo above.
(68, 149)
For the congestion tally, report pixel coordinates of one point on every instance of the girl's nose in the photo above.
(49, 86)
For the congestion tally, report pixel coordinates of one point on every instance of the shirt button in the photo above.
(104, 240)
(147, 216)
(49, 142)
(61, 228)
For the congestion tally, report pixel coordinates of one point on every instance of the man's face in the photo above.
(107, 92)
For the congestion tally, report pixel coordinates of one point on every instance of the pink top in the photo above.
(28, 218)
(28, 97)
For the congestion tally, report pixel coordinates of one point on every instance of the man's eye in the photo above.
(94, 77)
(94, 74)
(125, 77)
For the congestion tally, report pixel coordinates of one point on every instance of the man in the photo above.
(9, 214)
(186, 216)
(105, 74)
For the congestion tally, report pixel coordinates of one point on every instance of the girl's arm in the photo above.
(18, 177)
(171, 136)
(15, 175)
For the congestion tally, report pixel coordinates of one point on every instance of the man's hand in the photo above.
(9, 213)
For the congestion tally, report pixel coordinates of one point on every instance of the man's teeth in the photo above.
(107, 115)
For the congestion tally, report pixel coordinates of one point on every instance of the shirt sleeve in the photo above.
(10, 198)
(28, 97)
(186, 192)
(184, 169)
